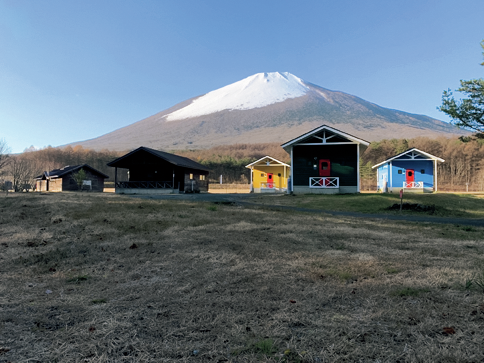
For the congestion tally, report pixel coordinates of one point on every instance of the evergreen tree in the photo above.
(469, 112)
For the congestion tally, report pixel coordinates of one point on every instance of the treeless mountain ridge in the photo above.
(276, 121)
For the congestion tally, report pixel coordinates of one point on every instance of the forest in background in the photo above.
(463, 161)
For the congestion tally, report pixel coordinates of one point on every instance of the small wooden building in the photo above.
(268, 175)
(152, 171)
(60, 180)
(325, 160)
(413, 170)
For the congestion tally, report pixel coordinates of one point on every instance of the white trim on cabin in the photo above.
(358, 168)
(329, 143)
(435, 175)
(412, 157)
(323, 182)
(390, 175)
(414, 160)
(267, 157)
(323, 128)
(292, 171)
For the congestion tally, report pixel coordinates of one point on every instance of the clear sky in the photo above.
(75, 70)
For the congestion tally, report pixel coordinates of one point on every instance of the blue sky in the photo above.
(74, 70)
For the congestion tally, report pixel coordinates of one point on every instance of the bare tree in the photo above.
(4, 154)
(22, 170)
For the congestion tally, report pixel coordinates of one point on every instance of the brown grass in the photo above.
(226, 283)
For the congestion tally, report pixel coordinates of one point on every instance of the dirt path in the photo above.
(245, 200)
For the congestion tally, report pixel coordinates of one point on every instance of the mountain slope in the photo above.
(266, 107)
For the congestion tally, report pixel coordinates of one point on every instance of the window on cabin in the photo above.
(202, 177)
(191, 176)
(422, 171)
(400, 171)
(262, 175)
(324, 165)
(279, 174)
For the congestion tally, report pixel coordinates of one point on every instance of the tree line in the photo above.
(18, 172)
(230, 160)
(464, 161)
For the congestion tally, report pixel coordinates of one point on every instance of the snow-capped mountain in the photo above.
(266, 107)
(259, 90)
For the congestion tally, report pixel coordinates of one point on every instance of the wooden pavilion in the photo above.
(152, 171)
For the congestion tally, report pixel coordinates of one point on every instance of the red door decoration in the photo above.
(324, 167)
(410, 176)
(324, 170)
(270, 180)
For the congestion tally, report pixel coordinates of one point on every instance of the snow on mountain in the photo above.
(256, 91)
(266, 107)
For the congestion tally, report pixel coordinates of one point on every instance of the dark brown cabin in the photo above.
(152, 171)
(60, 180)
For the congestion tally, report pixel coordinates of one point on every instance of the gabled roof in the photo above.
(58, 173)
(171, 158)
(267, 157)
(412, 150)
(321, 128)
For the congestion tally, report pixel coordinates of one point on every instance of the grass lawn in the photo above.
(109, 278)
(446, 205)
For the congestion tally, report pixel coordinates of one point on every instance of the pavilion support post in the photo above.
(390, 177)
(284, 177)
(358, 167)
(115, 177)
(435, 175)
(292, 171)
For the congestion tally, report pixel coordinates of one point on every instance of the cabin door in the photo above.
(270, 180)
(410, 176)
(324, 167)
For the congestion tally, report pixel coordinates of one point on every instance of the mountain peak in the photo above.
(266, 107)
(255, 91)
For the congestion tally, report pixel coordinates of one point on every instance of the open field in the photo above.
(465, 205)
(108, 278)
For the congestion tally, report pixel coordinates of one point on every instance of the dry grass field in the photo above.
(457, 205)
(107, 278)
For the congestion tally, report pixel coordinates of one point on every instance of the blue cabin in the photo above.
(413, 170)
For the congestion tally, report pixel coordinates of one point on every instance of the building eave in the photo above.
(267, 157)
(286, 146)
(430, 156)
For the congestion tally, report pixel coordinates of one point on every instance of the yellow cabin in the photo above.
(268, 175)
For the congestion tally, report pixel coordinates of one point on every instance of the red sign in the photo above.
(401, 193)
